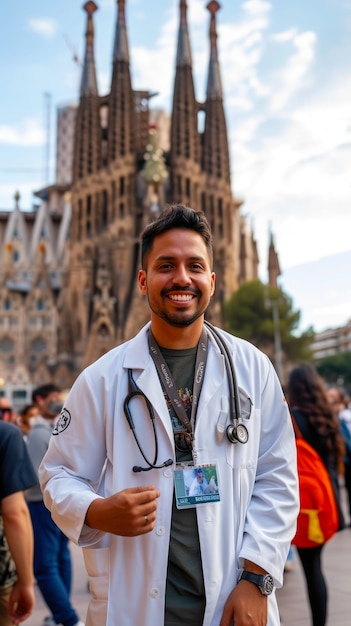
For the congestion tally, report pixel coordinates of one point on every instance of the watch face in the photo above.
(267, 585)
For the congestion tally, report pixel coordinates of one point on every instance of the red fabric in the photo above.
(318, 518)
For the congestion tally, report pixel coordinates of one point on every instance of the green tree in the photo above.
(336, 369)
(249, 315)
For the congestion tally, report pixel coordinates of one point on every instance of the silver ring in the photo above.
(146, 519)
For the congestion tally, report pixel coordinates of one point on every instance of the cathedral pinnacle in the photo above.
(121, 50)
(214, 84)
(89, 85)
(183, 49)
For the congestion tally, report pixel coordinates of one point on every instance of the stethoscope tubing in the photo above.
(234, 404)
(234, 401)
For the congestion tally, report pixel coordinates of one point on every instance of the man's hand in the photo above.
(246, 606)
(128, 513)
(21, 602)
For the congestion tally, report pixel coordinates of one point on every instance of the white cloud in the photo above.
(296, 69)
(299, 180)
(241, 48)
(28, 133)
(257, 7)
(284, 36)
(43, 26)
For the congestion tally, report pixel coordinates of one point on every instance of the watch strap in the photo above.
(263, 581)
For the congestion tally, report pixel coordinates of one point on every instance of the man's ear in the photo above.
(142, 282)
(213, 281)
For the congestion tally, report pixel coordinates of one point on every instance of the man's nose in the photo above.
(181, 275)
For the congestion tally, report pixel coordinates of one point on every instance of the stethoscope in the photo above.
(133, 392)
(236, 431)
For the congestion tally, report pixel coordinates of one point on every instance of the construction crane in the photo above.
(76, 60)
(73, 49)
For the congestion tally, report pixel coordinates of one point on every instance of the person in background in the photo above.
(339, 403)
(16, 534)
(7, 413)
(52, 559)
(26, 416)
(315, 419)
(218, 561)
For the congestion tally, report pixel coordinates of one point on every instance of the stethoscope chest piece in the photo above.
(237, 433)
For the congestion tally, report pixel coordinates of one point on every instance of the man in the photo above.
(172, 561)
(199, 484)
(52, 559)
(16, 535)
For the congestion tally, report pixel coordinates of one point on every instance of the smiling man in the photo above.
(180, 398)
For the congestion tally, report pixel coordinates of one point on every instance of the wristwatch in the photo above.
(264, 582)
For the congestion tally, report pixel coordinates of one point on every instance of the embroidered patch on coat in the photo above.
(63, 422)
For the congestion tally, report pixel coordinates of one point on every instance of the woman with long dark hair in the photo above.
(318, 425)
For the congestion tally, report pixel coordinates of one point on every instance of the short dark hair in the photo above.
(44, 390)
(176, 216)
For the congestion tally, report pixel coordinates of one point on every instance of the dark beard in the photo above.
(178, 320)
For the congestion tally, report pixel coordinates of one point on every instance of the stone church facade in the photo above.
(68, 269)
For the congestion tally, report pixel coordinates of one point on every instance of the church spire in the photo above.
(88, 86)
(215, 155)
(87, 140)
(273, 262)
(121, 127)
(183, 47)
(185, 140)
(120, 49)
(214, 84)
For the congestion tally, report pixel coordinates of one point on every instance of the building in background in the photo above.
(332, 341)
(68, 269)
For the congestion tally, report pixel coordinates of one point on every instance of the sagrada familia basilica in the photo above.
(68, 289)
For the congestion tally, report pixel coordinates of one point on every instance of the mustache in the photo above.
(191, 290)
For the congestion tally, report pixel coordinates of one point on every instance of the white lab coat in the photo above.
(256, 516)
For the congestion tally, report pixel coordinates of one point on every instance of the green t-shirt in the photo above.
(185, 592)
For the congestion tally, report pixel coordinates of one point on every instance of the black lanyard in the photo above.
(169, 385)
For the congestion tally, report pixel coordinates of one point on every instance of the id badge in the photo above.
(196, 485)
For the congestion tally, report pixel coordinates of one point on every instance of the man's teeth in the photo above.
(182, 298)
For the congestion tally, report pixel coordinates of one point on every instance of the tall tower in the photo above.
(273, 263)
(121, 124)
(99, 279)
(87, 148)
(87, 215)
(217, 201)
(185, 143)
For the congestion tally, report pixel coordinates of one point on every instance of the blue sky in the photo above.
(286, 74)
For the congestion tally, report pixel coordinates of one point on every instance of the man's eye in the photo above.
(196, 266)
